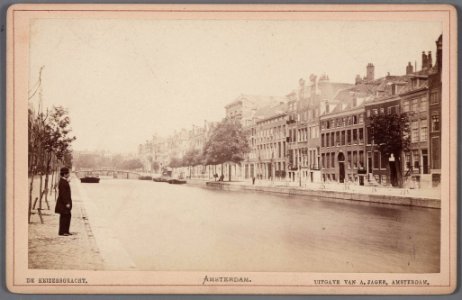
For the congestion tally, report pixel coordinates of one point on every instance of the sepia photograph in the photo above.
(276, 149)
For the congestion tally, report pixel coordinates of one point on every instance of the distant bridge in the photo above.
(121, 174)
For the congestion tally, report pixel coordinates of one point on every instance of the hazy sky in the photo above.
(123, 80)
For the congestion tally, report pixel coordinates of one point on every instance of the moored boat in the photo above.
(89, 179)
(176, 181)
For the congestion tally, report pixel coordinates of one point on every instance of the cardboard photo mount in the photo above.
(22, 279)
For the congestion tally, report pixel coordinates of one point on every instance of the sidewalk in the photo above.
(386, 195)
(48, 250)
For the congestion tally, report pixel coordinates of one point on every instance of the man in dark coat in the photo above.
(64, 203)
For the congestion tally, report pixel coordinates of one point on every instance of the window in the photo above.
(343, 137)
(337, 138)
(322, 140)
(405, 106)
(407, 159)
(423, 104)
(414, 105)
(361, 135)
(382, 110)
(332, 142)
(355, 120)
(332, 156)
(361, 159)
(416, 158)
(349, 137)
(435, 122)
(323, 161)
(368, 113)
(376, 160)
(436, 153)
(349, 159)
(327, 139)
(423, 130)
(355, 159)
(383, 162)
(434, 97)
(370, 135)
(355, 136)
(376, 112)
(415, 132)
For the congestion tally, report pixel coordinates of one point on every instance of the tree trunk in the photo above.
(55, 186)
(31, 188)
(40, 192)
(52, 181)
(32, 162)
(229, 171)
(47, 175)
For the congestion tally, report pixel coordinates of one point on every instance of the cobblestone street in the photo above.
(48, 250)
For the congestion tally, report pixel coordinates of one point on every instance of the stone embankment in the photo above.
(395, 196)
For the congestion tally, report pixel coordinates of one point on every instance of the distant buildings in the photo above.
(158, 152)
(320, 132)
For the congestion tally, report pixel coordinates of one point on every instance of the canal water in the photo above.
(180, 227)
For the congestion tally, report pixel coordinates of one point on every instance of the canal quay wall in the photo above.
(373, 197)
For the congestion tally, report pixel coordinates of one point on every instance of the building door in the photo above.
(425, 161)
(393, 174)
(270, 171)
(341, 167)
(341, 170)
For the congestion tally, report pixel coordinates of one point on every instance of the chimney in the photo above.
(313, 86)
(429, 60)
(409, 69)
(301, 89)
(439, 53)
(370, 72)
(424, 61)
(358, 79)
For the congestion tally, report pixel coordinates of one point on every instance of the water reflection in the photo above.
(172, 227)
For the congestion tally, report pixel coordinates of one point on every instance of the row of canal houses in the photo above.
(320, 132)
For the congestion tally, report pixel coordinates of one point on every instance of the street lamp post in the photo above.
(299, 175)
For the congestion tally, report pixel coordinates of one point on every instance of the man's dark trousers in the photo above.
(64, 223)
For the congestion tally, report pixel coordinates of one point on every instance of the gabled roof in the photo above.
(257, 101)
(328, 90)
(270, 111)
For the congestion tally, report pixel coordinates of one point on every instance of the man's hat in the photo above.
(64, 171)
